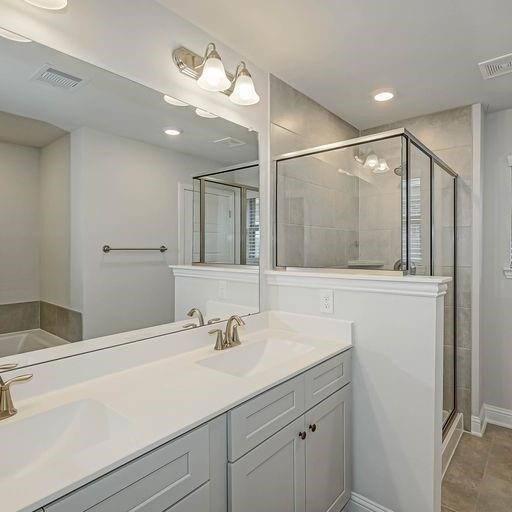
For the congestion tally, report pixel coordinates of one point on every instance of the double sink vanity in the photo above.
(261, 426)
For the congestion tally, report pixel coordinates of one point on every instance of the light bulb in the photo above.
(54, 5)
(174, 101)
(381, 167)
(383, 96)
(12, 36)
(213, 78)
(204, 113)
(244, 92)
(371, 161)
(172, 131)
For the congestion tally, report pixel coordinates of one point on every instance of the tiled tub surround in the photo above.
(57, 320)
(169, 394)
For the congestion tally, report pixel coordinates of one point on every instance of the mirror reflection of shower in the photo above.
(226, 217)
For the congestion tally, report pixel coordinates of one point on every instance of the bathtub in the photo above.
(25, 341)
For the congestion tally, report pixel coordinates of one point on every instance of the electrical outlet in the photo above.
(326, 301)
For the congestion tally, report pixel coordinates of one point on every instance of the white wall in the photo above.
(55, 222)
(496, 304)
(19, 223)
(126, 196)
(397, 379)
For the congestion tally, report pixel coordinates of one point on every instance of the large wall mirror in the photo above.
(118, 210)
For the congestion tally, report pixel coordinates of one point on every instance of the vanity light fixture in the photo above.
(372, 160)
(383, 96)
(172, 131)
(174, 101)
(53, 5)
(381, 167)
(211, 75)
(204, 113)
(244, 92)
(12, 36)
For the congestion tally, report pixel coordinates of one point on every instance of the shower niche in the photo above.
(374, 204)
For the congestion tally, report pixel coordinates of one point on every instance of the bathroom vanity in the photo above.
(261, 426)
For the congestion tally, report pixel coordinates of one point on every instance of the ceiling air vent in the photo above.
(496, 67)
(230, 142)
(57, 78)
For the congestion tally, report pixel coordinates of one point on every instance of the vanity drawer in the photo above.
(151, 483)
(326, 378)
(256, 420)
(198, 501)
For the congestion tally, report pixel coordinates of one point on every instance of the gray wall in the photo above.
(496, 305)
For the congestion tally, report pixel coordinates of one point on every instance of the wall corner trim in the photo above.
(415, 286)
(479, 423)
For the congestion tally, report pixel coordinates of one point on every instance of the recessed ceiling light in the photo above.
(7, 34)
(174, 101)
(383, 96)
(204, 113)
(53, 5)
(172, 131)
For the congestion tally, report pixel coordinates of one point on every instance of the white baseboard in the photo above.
(498, 416)
(359, 503)
(451, 441)
(490, 414)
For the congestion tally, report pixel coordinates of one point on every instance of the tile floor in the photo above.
(479, 478)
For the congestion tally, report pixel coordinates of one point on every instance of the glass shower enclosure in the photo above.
(379, 203)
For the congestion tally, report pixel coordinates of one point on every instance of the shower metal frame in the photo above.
(410, 140)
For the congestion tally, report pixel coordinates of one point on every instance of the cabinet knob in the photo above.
(302, 435)
(312, 427)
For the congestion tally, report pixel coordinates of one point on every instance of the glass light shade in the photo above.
(53, 5)
(371, 161)
(213, 78)
(381, 167)
(12, 36)
(244, 92)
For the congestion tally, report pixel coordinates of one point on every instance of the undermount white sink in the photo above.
(255, 357)
(74, 428)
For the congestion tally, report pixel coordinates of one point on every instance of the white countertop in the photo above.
(151, 404)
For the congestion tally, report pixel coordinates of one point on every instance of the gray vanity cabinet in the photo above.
(185, 475)
(328, 453)
(270, 478)
(305, 466)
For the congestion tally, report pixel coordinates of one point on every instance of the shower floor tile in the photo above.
(479, 478)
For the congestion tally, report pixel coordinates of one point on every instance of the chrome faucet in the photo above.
(7, 409)
(230, 338)
(196, 312)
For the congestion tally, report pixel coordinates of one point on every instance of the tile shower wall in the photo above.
(449, 135)
(319, 205)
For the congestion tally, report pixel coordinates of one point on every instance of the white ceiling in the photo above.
(339, 51)
(112, 104)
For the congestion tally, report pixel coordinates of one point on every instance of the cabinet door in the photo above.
(270, 478)
(328, 453)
